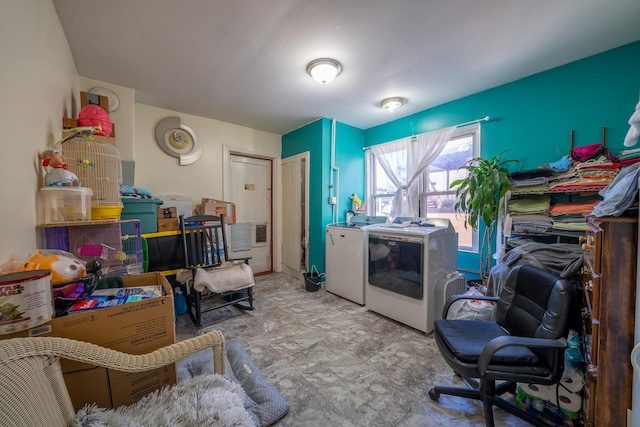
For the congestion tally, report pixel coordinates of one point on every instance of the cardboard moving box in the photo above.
(168, 224)
(219, 207)
(135, 328)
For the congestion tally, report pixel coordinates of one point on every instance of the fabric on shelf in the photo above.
(620, 194)
(532, 182)
(571, 226)
(529, 205)
(567, 208)
(531, 173)
(538, 189)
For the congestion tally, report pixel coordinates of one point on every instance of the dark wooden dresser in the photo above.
(610, 252)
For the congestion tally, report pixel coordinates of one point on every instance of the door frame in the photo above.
(306, 156)
(276, 177)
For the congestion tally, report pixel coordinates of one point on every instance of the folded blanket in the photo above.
(531, 182)
(227, 277)
(531, 173)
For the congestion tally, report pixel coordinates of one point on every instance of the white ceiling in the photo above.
(244, 61)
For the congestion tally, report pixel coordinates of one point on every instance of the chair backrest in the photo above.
(535, 303)
(32, 389)
(204, 240)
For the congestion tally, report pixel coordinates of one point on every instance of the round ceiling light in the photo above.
(324, 70)
(392, 103)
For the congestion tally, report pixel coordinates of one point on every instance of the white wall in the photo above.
(123, 118)
(38, 80)
(161, 174)
(39, 86)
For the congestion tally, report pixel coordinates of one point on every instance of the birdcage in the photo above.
(97, 166)
(117, 245)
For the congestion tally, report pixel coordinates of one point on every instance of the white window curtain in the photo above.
(404, 160)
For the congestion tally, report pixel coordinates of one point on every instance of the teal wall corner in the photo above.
(316, 138)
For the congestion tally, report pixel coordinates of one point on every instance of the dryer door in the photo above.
(396, 264)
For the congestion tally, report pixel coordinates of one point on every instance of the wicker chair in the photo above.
(33, 391)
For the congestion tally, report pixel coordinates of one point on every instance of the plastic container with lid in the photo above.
(145, 210)
(66, 204)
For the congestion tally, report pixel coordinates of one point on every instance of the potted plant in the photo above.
(478, 198)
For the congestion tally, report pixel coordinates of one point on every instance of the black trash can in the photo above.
(313, 280)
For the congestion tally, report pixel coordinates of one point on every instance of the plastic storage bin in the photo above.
(183, 204)
(145, 210)
(65, 204)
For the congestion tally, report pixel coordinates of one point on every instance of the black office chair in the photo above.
(525, 343)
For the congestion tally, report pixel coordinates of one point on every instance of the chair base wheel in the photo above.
(433, 394)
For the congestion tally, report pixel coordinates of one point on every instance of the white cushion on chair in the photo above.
(224, 278)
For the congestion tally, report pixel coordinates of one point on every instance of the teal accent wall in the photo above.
(349, 158)
(313, 138)
(530, 118)
(316, 138)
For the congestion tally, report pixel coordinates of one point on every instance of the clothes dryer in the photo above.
(405, 264)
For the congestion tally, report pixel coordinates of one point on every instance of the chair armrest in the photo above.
(496, 344)
(18, 348)
(454, 298)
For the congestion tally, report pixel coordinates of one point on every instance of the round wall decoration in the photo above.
(178, 140)
(114, 101)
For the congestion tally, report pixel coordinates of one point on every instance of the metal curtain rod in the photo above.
(472, 122)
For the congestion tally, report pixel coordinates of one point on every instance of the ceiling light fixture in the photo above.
(324, 70)
(392, 103)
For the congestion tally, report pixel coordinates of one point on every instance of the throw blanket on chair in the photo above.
(227, 277)
(205, 400)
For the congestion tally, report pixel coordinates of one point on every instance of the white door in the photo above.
(250, 188)
(294, 214)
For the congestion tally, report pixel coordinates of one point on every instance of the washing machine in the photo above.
(406, 263)
(345, 256)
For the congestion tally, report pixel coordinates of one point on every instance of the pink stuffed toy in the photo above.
(95, 115)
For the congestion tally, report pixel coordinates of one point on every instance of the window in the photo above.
(436, 198)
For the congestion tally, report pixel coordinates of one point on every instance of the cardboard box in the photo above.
(219, 207)
(167, 212)
(183, 204)
(168, 224)
(135, 328)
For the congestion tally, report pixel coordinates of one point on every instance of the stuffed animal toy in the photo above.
(95, 115)
(63, 265)
(58, 173)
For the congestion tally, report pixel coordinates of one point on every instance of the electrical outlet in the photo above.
(333, 200)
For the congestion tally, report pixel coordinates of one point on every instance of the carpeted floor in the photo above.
(340, 365)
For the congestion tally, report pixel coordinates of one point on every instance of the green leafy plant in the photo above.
(478, 198)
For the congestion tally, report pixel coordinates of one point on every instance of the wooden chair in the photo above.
(213, 277)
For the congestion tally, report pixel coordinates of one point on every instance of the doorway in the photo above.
(295, 214)
(250, 187)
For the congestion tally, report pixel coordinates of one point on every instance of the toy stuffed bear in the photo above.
(58, 173)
